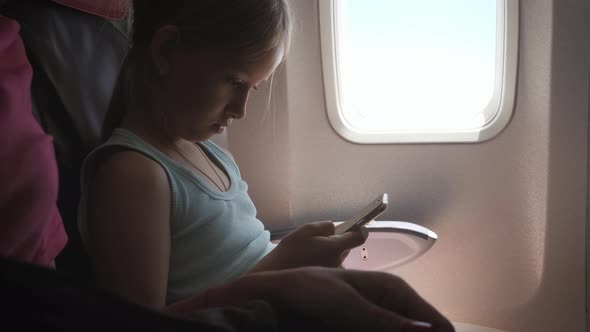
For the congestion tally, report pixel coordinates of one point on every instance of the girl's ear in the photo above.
(163, 44)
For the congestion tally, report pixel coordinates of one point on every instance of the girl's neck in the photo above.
(143, 122)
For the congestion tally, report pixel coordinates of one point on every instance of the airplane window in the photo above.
(419, 70)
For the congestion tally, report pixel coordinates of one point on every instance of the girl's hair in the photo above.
(246, 28)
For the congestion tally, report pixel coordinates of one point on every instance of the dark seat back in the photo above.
(75, 58)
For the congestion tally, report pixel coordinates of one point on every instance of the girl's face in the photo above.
(204, 91)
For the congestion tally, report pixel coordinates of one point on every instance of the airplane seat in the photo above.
(75, 58)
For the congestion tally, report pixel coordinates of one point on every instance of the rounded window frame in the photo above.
(499, 109)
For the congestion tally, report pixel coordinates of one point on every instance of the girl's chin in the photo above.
(203, 134)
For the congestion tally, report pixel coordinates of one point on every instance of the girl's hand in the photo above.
(312, 244)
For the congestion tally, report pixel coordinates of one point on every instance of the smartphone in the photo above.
(370, 212)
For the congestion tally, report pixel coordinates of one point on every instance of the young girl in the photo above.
(164, 212)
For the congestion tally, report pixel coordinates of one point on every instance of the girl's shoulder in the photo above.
(124, 154)
(124, 141)
(130, 169)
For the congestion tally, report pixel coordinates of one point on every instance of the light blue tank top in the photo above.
(215, 236)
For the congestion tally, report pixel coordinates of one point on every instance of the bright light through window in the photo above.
(427, 68)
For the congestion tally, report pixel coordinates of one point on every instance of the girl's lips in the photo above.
(218, 129)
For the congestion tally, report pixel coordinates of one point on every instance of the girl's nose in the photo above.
(237, 109)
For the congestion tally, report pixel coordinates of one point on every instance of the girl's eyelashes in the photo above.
(236, 83)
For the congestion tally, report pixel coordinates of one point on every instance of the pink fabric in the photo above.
(30, 225)
(111, 9)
